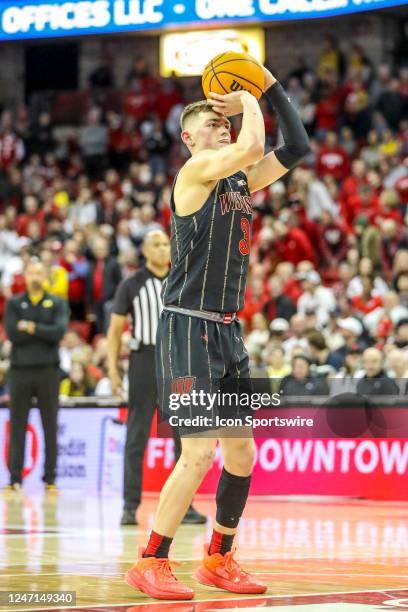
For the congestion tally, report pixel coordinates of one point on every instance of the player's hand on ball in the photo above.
(227, 104)
(269, 78)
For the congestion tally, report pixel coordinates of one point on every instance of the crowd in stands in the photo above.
(327, 293)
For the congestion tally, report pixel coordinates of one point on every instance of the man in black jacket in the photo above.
(279, 306)
(376, 381)
(35, 323)
(103, 277)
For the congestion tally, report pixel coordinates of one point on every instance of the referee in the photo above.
(140, 296)
(35, 323)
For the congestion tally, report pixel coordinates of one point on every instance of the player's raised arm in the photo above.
(212, 163)
(296, 141)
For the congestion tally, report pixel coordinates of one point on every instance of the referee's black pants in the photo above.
(27, 383)
(142, 402)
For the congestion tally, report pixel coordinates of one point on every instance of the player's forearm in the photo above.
(252, 134)
(294, 134)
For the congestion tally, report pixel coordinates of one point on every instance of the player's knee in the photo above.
(241, 455)
(199, 459)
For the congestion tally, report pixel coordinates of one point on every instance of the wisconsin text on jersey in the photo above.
(234, 200)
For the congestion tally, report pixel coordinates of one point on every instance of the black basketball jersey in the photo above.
(210, 250)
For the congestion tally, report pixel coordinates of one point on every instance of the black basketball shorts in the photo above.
(206, 361)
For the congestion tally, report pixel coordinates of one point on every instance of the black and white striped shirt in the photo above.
(140, 296)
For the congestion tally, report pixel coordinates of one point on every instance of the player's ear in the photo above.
(187, 138)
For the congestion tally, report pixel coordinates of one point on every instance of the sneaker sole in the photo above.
(203, 576)
(137, 582)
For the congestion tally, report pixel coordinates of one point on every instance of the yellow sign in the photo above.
(187, 53)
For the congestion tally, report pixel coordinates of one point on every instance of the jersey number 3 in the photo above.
(245, 242)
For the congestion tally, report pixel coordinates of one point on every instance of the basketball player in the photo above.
(199, 335)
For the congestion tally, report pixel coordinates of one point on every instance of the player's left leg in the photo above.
(219, 567)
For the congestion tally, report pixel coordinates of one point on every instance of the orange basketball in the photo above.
(230, 71)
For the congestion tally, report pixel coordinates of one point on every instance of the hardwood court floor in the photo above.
(315, 555)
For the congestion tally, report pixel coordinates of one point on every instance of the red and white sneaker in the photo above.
(224, 572)
(155, 578)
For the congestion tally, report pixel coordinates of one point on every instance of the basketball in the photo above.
(229, 71)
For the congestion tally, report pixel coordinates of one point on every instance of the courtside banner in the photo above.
(38, 19)
(372, 469)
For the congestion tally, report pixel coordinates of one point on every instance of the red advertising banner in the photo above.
(369, 468)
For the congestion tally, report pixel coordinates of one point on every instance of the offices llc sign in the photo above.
(39, 19)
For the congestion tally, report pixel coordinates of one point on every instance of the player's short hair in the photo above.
(202, 106)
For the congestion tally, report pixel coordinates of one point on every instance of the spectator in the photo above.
(332, 240)
(346, 380)
(351, 330)
(277, 367)
(123, 236)
(328, 109)
(77, 383)
(297, 339)
(316, 196)
(315, 297)
(278, 330)
(397, 361)
(85, 211)
(142, 223)
(93, 143)
(140, 70)
(31, 213)
(375, 380)
(42, 139)
(401, 333)
(401, 284)
(136, 101)
(9, 243)
(292, 244)
(393, 238)
(324, 361)
(12, 148)
(331, 58)
(366, 268)
(103, 277)
(77, 267)
(56, 275)
(102, 76)
(255, 298)
(70, 342)
(370, 154)
(348, 141)
(278, 305)
(307, 112)
(381, 321)
(332, 159)
(367, 301)
(391, 103)
(259, 336)
(301, 382)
